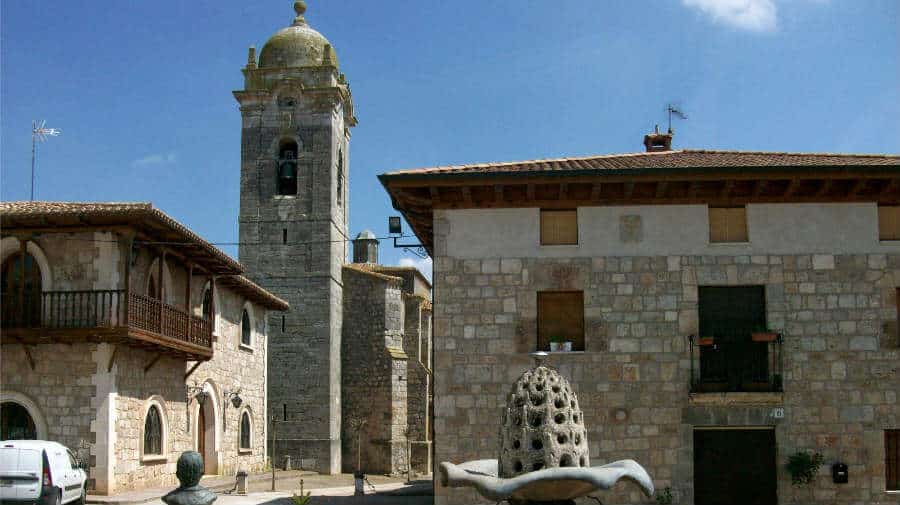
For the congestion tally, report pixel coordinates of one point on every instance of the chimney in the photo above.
(365, 248)
(658, 142)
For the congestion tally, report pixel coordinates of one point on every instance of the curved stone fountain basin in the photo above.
(549, 484)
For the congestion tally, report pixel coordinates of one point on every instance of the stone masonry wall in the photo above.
(841, 377)
(417, 344)
(373, 380)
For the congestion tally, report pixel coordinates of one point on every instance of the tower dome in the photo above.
(542, 425)
(297, 45)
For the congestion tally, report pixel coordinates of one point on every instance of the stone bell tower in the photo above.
(296, 113)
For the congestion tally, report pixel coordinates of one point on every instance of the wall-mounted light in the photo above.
(394, 226)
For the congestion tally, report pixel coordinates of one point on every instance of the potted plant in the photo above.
(804, 467)
(664, 496)
(763, 334)
(706, 341)
(560, 344)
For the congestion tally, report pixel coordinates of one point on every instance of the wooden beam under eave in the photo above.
(825, 187)
(112, 358)
(661, 188)
(529, 192)
(629, 189)
(595, 191)
(498, 193)
(791, 188)
(758, 188)
(855, 188)
(27, 353)
(693, 188)
(466, 195)
(193, 368)
(435, 194)
(727, 188)
(564, 191)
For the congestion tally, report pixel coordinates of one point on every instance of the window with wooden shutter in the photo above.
(728, 224)
(892, 459)
(888, 222)
(559, 227)
(560, 318)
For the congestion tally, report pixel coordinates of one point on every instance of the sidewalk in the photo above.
(286, 482)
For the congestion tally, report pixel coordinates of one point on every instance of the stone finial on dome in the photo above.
(300, 9)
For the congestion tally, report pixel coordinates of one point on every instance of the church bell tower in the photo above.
(296, 113)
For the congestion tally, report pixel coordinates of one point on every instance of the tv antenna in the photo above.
(39, 131)
(673, 109)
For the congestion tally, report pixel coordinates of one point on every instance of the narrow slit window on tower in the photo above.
(284, 410)
(282, 324)
(284, 236)
(287, 168)
(340, 177)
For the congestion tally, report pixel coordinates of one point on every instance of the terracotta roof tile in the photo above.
(687, 158)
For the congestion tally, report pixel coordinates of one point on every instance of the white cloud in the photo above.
(424, 265)
(154, 159)
(752, 15)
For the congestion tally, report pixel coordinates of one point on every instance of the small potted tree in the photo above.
(804, 467)
(763, 334)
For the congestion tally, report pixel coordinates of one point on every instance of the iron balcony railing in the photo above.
(736, 365)
(61, 310)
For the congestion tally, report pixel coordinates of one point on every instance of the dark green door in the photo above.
(735, 467)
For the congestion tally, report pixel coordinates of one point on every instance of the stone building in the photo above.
(297, 112)
(725, 310)
(129, 339)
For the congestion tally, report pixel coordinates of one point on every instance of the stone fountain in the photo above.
(544, 456)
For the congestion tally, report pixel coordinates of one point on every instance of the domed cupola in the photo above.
(297, 45)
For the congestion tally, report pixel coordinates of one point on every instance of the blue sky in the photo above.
(142, 90)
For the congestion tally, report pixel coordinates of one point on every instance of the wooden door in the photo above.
(735, 467)
(201, 436)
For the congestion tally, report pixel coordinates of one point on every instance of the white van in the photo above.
(40, 472)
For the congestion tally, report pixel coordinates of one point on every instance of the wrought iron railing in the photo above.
(736, 365)
(103, 309)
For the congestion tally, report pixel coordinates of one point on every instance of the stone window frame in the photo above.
(275, 149)
(245, 411)
(583, 338)
(160, 404)
(11, 245)
(251, 315)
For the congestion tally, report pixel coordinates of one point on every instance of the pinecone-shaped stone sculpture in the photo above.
(542, 426)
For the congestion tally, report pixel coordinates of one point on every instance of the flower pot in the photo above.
(556, 346)
(705, 341)
(567, 346)
(763, 336)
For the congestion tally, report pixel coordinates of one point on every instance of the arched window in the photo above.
(245, 431)
(21, 304)
(246, 329)
(152, 290)
(287, 167)
(153, 435)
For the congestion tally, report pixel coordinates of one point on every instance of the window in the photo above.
(729, 315)
(153, 432)
(889, 223)
(207, 304)
(22, 306)
(340, 177)
(728, 224)
(287, 168)
(892, 459)
(152, 290)
(246, 329)
(560, 318)
(245, 431)
(559, 227)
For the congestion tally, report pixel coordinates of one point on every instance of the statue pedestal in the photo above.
(190, 492)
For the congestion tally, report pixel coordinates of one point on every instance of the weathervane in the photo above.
(39, 132)
(672, 109)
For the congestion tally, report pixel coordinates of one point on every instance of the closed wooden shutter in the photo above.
(561, 314)
(728, 224)
(559, 227)
(888, 223)
(892, 459)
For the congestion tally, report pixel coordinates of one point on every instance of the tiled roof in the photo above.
(255, 292)
(388, 269)
(686, 158)
(366, 269)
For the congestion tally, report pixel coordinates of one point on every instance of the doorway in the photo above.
(735, 467)
(201, 436)
(206, 441)
(16, 423)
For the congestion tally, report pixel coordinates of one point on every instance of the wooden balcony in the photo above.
(106, 316)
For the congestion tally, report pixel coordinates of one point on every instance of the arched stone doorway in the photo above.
(16, 422)
(206, 429)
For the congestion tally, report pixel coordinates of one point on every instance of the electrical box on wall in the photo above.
(839, 473)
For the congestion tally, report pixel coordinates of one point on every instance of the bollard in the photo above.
(241, 482)
(287, 463)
